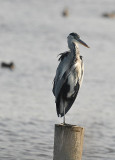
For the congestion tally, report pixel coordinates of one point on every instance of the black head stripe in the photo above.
(75, 35)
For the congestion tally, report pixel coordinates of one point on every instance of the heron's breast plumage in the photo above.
(78, 69)
(75, 77)
(71, 83)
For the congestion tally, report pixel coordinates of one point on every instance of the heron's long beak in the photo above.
(83, 43)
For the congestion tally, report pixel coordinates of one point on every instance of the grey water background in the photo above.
(32, 34)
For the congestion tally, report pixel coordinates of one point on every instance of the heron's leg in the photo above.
(64, 115)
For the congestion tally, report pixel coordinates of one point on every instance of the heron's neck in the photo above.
(75, 50)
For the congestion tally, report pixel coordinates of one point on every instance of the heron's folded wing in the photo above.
(59, 82)
(62, 73)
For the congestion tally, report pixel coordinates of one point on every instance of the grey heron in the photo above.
(69, 75)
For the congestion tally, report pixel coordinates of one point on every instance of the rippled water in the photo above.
(32, 34)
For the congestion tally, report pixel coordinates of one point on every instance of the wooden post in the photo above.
(68, 142)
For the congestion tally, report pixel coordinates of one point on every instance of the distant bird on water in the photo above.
(7, 65)
(65, 12)
(69, 76)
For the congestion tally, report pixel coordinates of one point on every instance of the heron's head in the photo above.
(75, 38)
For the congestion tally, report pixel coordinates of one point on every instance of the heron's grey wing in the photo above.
(61, 72)
(59, 82)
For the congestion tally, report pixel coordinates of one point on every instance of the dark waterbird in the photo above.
(109, 15)
(65, 12)
(7, 65)
(69, 75)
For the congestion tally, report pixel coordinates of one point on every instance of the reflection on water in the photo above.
(27, 105)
